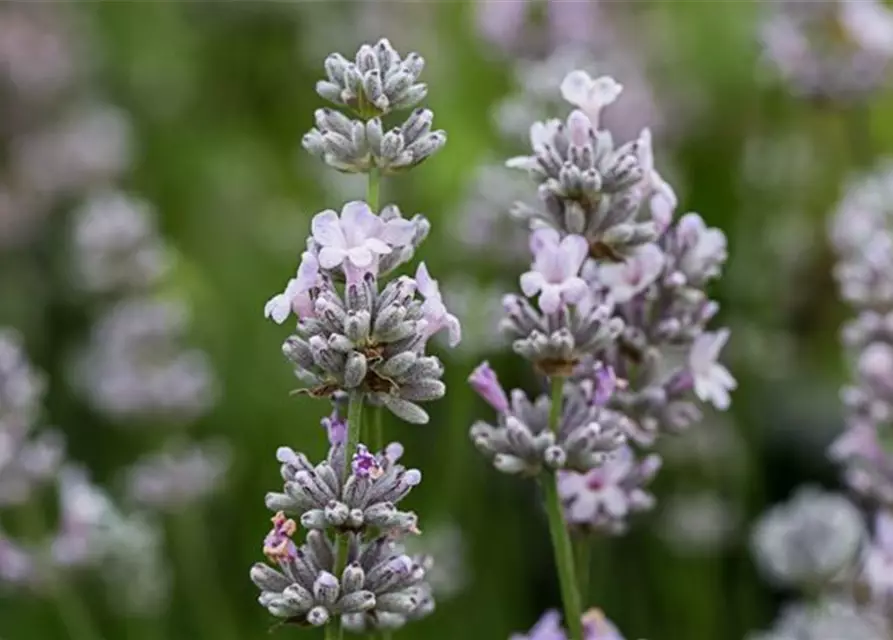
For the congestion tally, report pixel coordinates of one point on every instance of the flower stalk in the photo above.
(561, 542)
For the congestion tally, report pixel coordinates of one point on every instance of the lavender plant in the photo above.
(361, 341)
(821, 543)
(93, 532)
(837, 51)
(618, 328)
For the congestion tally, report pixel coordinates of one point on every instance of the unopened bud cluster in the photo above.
(376, 84)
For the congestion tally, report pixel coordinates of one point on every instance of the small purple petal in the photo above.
(484, 381)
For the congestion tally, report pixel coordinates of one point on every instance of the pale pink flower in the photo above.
(556, 266)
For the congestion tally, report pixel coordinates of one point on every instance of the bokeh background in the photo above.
(197, 109)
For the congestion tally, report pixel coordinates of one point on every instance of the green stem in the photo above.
(72, 610)
(334, 630)
(561, 541)
(583, 557)
(372, 189)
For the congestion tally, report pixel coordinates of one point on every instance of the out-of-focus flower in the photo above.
(26, 459)
(698, 523)
(838, 50)
(877, 561)
(172, 480)
(827, 620)
(482, 226)
(136, 367)
(479, 310)
(117, 248)
(17, 564)
(810, 539)
(443, 543)
(39, 57)
(89, 147)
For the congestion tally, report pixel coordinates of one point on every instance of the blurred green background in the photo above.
(220, 93)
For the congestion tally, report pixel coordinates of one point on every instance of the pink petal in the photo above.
(574, 290)
(550, 299)
(326, 229)
(578, 128)
(331, 257)
(377, 246)
(277, 308)
(308, 271)
(356, 215)
(360, 256)
(454, 330)
(575, 87)
(645, 152)
(883, 531)
(532, 283)
(542, 238)
(574, 249)
(614, 501)
(426, 285)
(398, 233)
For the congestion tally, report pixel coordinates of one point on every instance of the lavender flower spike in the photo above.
(484, 381)
(556, 268)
